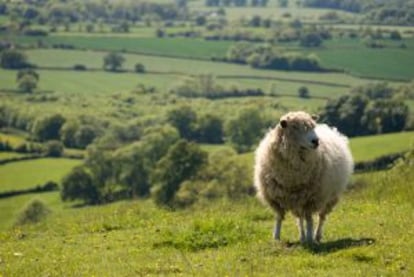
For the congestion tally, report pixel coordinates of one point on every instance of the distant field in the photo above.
(371, 147)
(13, 140)
(28, 174)
(178, 47)
(9, 155)
(67, 58)
(367, 148)
(352, 56)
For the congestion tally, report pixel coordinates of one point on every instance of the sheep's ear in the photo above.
(283, 123)
(315, 117)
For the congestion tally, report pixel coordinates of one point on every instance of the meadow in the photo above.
(369, 233)
(29, 174)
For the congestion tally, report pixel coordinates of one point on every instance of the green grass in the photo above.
(366, 148)
(13, 140)
(28, 174)
(9, 155)
(11, 207)
(351, 55)
(371, 147)
(363, 238)
(178, 47)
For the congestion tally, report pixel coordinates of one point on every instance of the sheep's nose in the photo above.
(315, 142)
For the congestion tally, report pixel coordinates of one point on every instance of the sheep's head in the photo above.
(299, 129)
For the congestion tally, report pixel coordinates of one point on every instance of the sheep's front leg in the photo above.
(278, 225)
(309, 228)
(301, 229)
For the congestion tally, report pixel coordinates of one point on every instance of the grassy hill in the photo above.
(365, 235)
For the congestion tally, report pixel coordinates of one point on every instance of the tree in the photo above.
(54, 148)
(27, 83)
(113, 61)
(395, 35)
(27, 80)
(246, 129)
(184, 119)
(303, 92)
(311, 40)
(48, 127)
(139, 68)
(210, 129)
(283, 3)
(181, 162)
(78, 184)
(13, 59)
(133, 169)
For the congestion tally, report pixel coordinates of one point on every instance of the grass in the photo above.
(28, 174)
(9, 155)
(13, 140)
(177, 47)
(362, 238)
(11, 206)
(351, 55)
(371, 147)
(367, 148)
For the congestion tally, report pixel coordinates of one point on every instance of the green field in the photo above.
(10, 155)
(371, 147)
(364, 237)
(177, 47)
(28, 174)
(13, 140)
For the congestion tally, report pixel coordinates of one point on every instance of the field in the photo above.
(369, 233)
(368, 148)
(29, 174)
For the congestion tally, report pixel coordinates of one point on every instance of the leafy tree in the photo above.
(13, 59)
(303, 92)
(27, 83)
(139, 68)
(245, 130)
(48, 127)
(395, 35)
(113, 61)
(54, 148)
(311, 40)
(184, 119)
(283, 3)
(210, 129)
(85, 136)
(181, 162)
(79, 184)
(132, 169)
(68, 131)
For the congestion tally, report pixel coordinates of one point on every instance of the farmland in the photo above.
(109, 134)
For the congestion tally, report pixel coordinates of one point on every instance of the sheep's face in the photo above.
(299, 129)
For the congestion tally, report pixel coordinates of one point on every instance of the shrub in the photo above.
(139, 68)
(54, 148)
(33, 212)
(79, 67)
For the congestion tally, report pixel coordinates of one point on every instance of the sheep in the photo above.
(302, 167)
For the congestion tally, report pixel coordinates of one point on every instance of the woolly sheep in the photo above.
(302, 167)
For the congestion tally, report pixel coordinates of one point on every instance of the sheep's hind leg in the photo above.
(319, 229)
(301, 230)
(278, 225)
(309, 228)
(322, 218)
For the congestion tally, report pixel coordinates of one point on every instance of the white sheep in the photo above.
(302, 167)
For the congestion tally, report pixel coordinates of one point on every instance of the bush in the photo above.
(33, 212)
(54, 148)
(78, 184)
(139, 68)
(80, 67)
(36, 33)
(48, 127)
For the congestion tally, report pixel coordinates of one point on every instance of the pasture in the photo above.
(364, 237)
(29, 174)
